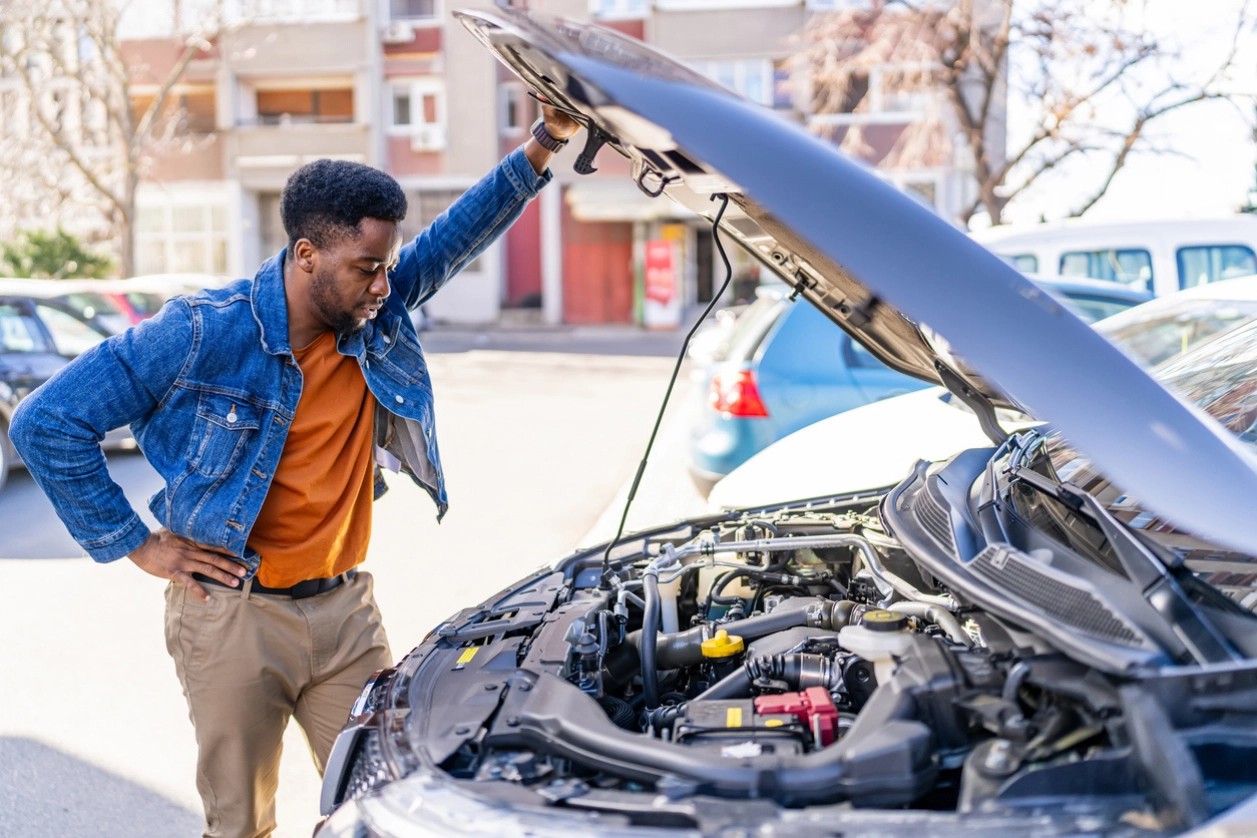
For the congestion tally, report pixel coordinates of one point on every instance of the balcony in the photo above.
(287, 48)
(262, 156)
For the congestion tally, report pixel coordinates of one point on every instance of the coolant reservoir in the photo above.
(668, 605)
(880, 637)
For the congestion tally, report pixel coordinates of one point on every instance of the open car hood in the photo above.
(914, 290)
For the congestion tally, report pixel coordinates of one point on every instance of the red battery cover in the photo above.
(812, 703)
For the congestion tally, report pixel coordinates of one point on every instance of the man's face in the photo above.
(350, 278)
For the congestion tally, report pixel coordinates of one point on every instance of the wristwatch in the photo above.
(547, 140)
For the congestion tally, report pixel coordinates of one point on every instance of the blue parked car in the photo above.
(781, 366)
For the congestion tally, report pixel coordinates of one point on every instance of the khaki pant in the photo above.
(249, 662)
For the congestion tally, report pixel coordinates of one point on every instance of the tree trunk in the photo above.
(126, 227)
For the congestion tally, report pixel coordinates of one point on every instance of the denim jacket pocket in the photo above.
(224, 425)
(403, 362)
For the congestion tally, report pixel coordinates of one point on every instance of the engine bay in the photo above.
(799, 658)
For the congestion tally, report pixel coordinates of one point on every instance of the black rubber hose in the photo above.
(737, 684)
(725, 581)
(619, 711)
(650, 633)
(685, 648)
(886, 756)
(714, 595)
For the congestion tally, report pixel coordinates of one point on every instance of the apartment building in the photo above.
(599, 251)
(400, 85)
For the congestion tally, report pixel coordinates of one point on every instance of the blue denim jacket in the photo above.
(209, 387)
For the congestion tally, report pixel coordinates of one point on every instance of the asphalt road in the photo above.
(538, 446)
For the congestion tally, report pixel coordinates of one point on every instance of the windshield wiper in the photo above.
(1154, 578)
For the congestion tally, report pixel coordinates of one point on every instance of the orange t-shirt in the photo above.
(316, 519)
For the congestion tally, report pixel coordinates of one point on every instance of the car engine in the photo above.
(796, 657)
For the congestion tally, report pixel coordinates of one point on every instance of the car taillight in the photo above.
(735, 394)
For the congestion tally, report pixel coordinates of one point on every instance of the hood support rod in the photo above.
(978, 403)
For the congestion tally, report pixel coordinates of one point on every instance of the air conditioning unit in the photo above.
(427, 138)
(398, 32)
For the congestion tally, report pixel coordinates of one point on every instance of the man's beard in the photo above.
(322, 294)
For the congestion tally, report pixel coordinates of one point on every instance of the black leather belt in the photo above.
(301, 590)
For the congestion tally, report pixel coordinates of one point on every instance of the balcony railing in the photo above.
(266, 149)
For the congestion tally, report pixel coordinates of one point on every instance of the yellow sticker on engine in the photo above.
(467, 655)
(774, 723)
(733, 717)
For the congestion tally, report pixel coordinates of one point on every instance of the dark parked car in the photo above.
(38, 337)
(1048, 635)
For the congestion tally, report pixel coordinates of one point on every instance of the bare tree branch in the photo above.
(73, 46)
(1084, 76)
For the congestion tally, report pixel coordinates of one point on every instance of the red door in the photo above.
(597, 271)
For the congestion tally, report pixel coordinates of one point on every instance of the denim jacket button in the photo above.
(399, 399)
(386, 338)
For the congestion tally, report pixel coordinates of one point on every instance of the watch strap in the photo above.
(543, 137)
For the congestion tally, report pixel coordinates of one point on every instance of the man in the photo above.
(265, 407)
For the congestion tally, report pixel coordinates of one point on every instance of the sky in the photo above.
(1211, 171)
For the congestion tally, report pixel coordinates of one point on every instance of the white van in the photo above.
(1158, 256)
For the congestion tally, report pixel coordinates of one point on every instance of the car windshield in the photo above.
(91, 304)
(71, 335)
(1220, 378)
(744, 337)
(1093, 307)
(1160, 331)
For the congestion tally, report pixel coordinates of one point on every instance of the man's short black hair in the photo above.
(327, 199)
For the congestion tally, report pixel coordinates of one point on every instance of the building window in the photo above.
(192, 110)
(418, 111)
(750, 77)
(181, 237)
(1209, 263)
(304, 10)
(305, 106)
(516, 111)
(198, 112)
(834, 5)
(413, 9)
(720, 5)
(782, 92)
(619, 9)
(426, 205)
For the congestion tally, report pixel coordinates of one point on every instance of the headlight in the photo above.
(422, 806)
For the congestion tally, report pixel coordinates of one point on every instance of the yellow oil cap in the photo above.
(723, 645)
(881, 620)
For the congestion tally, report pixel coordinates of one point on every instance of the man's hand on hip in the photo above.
(172, 557)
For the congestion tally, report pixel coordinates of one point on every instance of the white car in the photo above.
(1051, 635)
(871, 447)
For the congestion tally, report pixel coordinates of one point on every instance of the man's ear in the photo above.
(304, 254)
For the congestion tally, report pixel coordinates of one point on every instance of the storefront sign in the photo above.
(661, 283)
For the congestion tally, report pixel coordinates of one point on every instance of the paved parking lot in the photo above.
(94, 737)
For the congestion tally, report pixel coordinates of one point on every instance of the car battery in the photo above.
(738, 730)
(813, 708)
